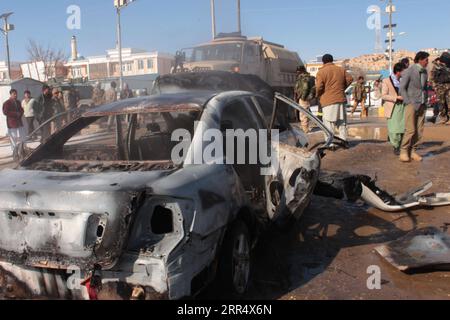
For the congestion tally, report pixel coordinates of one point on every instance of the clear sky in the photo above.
(311, 27)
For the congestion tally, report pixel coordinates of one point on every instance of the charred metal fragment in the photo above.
(426, 248)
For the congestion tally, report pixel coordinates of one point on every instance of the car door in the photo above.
(294, 169)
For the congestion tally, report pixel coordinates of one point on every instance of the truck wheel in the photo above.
(234, 267)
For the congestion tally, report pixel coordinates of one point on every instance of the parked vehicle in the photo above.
(113, 208)
(271, 62)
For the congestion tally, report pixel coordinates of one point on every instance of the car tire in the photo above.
(235, 260)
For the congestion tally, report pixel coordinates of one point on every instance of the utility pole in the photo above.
(119, 4)
(213, 18)
(390, 9)
(390, 35)
(6, 29)
(239, 16)
(119, 47)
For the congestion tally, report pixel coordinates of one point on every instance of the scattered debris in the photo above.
(354, 187)
(422, 248)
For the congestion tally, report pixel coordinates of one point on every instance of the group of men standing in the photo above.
(38, 111)
(404, 95)
(100, 96)
(49, 104)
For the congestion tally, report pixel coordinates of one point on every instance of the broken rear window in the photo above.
(144, 137)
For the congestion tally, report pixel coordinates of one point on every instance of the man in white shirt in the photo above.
(28, 107)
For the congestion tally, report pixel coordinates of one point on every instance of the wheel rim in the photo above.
(241, 263)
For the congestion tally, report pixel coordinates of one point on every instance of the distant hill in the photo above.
(377, 61)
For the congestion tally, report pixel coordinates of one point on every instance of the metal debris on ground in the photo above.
(423, 248)
(354, 187)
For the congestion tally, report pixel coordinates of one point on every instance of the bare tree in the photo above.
(51, 58)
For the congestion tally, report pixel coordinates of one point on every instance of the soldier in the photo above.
(110, 97)
(44, 111)
(58, 108)
(305, 92)
(71, 99)
(440, 79)
(360, 96)
(98, 95)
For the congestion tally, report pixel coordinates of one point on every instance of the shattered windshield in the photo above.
(218, 52)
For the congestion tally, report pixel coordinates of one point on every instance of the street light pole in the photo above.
(8, 58)
(213, 18)
(119, 4)
(239, 16)
(6, 29)
(390, 35)
(119, 45)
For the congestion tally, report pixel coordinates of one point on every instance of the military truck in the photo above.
(272, 62)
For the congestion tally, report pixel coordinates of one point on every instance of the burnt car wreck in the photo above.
(111, 210)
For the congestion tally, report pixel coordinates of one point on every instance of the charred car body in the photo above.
(114, 206)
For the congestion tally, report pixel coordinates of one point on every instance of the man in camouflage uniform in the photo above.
(98, 95)
(440, 79)
(305, 91)
(360, 96)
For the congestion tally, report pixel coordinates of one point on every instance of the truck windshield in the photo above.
(218, 52)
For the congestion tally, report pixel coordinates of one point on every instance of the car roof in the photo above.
(169, 102)
(217, 81)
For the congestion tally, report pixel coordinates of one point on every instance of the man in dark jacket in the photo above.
(413, 89)
(13, 111)
(44, 111)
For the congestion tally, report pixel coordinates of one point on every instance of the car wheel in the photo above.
(235, 259)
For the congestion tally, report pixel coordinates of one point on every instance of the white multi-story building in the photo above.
(135, 62)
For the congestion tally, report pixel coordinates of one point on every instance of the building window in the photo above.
(127, 67)
(140, 64)
(76, 72)
(149, 64)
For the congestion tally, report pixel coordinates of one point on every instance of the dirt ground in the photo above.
(326, 255)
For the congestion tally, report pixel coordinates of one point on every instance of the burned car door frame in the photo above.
(294, 180)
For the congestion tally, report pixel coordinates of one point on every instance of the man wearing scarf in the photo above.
(413, 89)
(394, 108)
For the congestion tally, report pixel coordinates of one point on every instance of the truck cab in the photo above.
(234, 53)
